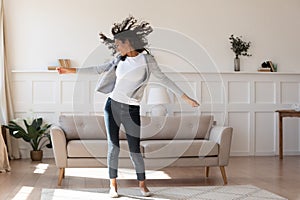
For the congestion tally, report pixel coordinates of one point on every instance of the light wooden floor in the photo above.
(282, 177)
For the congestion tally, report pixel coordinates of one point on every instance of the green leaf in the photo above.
(238, 46)
(33, 134)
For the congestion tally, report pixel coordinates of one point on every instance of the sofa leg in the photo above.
(61, 175)
(206, 171)
(222, 168)
(64, 172)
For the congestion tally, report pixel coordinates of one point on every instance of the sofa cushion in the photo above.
(153, 128)
(94, 149)
(179, 148)
(83, 127)
(176, 127)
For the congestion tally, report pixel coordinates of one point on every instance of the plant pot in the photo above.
(36, 155)
(236, 64)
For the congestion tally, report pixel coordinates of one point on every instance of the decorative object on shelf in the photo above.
(52, 67)
(264, 69)
(158, 96)
(268, 66)
(36, 133)
(296, 107)
(64, 62)
(240, 48)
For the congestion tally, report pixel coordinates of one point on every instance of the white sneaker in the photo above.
(146, 194)
(113, 193)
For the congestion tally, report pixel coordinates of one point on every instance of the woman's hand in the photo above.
(190, 101)
(64, 70)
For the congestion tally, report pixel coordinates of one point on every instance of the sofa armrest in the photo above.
(222, 135)
(59, 146)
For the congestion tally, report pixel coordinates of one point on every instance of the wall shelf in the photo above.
(224, 72)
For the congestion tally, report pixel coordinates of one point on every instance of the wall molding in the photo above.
(244, 100)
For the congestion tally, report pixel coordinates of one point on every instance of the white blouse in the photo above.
(130, 73)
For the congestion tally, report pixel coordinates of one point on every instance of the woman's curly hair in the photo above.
(129, 29)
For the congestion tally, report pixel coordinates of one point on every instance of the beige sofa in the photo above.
(80, 141)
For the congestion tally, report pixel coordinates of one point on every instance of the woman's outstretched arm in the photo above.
(190, 101)
(169, 83)
(64, 70)
(90, 70)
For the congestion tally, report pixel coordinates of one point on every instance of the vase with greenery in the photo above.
(36, 133)
(240, 48)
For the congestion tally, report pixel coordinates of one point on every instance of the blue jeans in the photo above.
(115, 114)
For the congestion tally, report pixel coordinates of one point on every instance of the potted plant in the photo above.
(35, 133)
(240, 48)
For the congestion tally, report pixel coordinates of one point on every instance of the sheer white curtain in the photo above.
(4, 163)
(6, 109)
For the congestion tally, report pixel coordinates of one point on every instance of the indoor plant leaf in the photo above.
(33, 132)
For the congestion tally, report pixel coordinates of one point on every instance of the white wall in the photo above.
(39, 32)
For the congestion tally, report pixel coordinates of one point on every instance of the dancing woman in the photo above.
(134, 64)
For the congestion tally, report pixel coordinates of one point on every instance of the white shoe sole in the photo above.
(113, 193)
(146, 194)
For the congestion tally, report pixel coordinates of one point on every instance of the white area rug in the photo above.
(239, 192)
